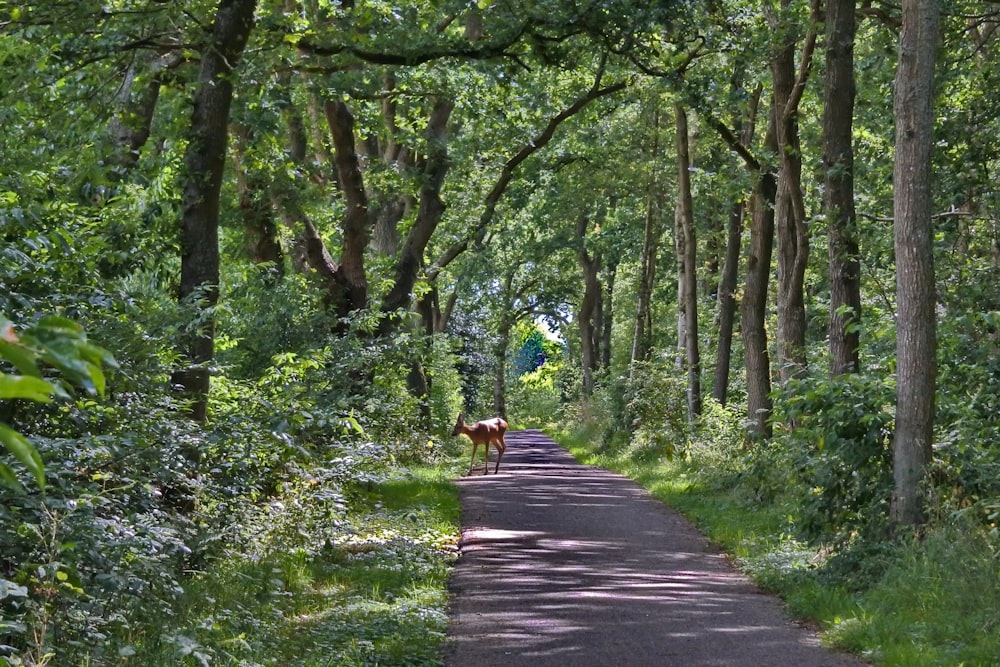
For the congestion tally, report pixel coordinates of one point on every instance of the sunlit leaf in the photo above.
(19, 446)
(27, 387)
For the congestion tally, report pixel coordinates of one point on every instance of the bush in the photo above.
(833, 435)
(648, 411)
(533, 397)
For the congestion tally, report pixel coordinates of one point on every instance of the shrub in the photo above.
(834, 436)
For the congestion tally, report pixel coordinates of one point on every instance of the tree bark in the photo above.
(690, 282)
(500, 369)
(434, 168)
(730, 268)
(313, 251)
(356, 225)
(591, 266)
(790, 224)
(204, 162)
(390, 207)
(298, 144)
(607, 316)
(916, 339)
(642, 335)
(131, 126)
(838, 163)
(262, 243)
(727, 302)
(321, 151)
(753, 308)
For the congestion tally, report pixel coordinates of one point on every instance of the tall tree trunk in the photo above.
(679, 351)
(131, 125)
(321, 151)
(433, 168)
(642, 336)
(313, 252)
(607, 318)
(916, 341)
(727, 302)
(389, 207)
(500, 369)
(753, 308)
(591, 266)
(690, 283)
(790, 224)
(356, 224)
(730, 268)
(204, 161)
(838, 163)
(298, 144)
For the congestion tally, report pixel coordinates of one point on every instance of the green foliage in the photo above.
(833, 453)
(935, 606)
(264, 318)
(531, 351)
(58, 343)
(102, 559)
(649, 410)
(371, 588)
(534, 399)
(445, 399)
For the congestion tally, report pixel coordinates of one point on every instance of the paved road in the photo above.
(566, 565)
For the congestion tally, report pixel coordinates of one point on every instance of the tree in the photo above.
(590, 266)
(204, 162)
(746, 124)
(643, 328)
(916, 342)
(688, 260)
(790, 216)
(838, 180)
(753, 307)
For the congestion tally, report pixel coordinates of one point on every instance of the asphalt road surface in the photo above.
(571, 566)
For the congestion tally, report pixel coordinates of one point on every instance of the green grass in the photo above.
(377, 595)
(933, 602)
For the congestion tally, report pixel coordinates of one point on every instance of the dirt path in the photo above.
(570, 566)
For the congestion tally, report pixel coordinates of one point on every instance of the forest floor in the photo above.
(567, 564)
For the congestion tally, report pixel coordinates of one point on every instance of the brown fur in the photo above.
(487, 432)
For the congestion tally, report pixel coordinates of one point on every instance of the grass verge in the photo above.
(376, 594)
(931, 602)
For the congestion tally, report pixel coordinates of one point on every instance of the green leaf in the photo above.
(22, 358)
(64, 325)
(19, 446)
(8, 478)
(97, 355)
(64, 358)
(25, 386)
(97, 377)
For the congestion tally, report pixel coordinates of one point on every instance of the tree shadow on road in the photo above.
(565, 564)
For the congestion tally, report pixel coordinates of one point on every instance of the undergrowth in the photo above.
(374, 592)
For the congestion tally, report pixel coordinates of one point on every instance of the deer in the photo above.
(486, 432)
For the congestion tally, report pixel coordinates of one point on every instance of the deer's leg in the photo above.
(501, 448)
(486, 458)
(472, 462)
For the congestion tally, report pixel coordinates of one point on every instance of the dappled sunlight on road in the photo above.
(564, 564)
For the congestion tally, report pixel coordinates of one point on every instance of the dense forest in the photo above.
(257, 255)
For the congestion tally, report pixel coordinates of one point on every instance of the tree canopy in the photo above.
(301, 236)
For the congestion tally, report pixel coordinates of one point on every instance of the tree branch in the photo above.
(507, 173)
